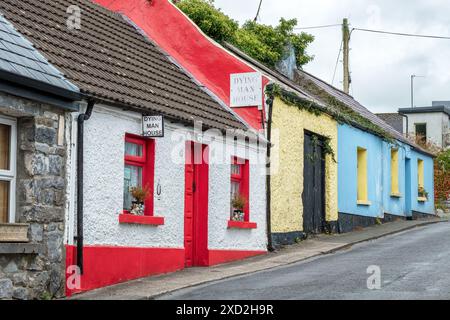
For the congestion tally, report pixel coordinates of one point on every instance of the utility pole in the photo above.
(346, 47)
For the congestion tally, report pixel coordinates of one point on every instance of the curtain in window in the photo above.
(5, 132)
(4, 197)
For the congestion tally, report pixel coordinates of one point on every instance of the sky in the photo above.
(381, 65)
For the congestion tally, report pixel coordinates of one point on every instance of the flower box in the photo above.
(145, 220)
(241, 225)
(14, 232)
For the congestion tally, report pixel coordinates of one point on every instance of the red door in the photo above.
(196, 206)
(189, 206)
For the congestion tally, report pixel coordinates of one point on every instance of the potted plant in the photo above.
(140, 194)
(238, 203)
(422, 193)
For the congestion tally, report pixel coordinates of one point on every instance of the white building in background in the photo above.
(433, 123)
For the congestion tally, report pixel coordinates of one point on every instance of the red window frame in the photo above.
(243, 180)
(147, 163)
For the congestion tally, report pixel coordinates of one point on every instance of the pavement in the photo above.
(411, 265)
(160, 286)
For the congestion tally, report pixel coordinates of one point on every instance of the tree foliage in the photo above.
(442, 177)
(264, 43)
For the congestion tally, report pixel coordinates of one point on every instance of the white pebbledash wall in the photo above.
(103, 188)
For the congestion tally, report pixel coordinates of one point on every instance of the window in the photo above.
(240, 183)
(395, 192)
(362, 177)
(421, 132)
(139, 170)
(420, 178)
(8, 134)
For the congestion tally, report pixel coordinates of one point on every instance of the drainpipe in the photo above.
(407, 123)
(268, 199)
(80, 173)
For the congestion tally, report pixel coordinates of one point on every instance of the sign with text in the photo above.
(153, 126)
(246, 89)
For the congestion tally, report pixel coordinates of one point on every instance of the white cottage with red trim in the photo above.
(187, 178)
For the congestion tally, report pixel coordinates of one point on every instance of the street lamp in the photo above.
(412, 88)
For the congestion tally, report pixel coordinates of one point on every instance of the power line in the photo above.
(402, 34)
(319, 27)
(337, 63)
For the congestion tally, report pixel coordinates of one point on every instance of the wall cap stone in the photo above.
(21, 248)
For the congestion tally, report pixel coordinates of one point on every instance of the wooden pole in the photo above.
(346, 47)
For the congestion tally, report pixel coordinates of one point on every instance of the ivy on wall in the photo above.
(331, 106)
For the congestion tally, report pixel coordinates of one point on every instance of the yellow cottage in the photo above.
(303, 180)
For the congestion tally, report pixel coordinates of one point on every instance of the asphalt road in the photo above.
(413, 265)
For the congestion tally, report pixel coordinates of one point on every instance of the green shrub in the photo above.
(264, 43)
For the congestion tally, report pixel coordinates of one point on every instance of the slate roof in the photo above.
(303, 93)
(19, 59)
(395, 120)
(111, 60)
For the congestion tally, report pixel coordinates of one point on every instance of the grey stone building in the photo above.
(34, 100)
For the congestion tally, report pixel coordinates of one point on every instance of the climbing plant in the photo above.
(264, 43)
(331, 106)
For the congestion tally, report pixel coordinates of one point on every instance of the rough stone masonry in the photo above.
(36, 270)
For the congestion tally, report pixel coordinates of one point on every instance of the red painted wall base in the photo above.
(105, 266)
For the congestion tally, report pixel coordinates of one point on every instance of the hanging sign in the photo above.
(153, 126)
(246, 89)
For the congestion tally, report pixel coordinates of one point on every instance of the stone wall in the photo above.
(40, 203)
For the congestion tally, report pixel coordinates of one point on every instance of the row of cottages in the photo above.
(78, 152)
(365, 173)
(150, 101)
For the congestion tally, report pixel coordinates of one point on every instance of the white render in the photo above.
(438, 126)
(103, 187)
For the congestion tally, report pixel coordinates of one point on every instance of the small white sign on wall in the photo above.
(246, 89)
(153, 126)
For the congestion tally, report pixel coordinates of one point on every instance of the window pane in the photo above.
(5, 138)
(234, 189)
(132, 149)
(235, 169)
(4, 201)
(421, 132)
(132, 178)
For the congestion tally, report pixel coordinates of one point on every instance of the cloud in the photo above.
(381, 65)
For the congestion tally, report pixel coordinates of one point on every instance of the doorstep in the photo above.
(152, 287)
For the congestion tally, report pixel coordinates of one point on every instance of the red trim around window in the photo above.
(244, 182)
(148, 220)
(147, 163)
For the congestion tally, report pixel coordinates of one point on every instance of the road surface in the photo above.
(412, 265)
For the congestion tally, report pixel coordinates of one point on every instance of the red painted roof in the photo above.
(208, 63)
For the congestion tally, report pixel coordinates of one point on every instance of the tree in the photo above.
(210, 20)
(264, 43)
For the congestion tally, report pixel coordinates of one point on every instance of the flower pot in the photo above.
(238, 215)
(137, 208)
(14, 232)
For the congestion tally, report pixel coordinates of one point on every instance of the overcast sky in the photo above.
(381, 65)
